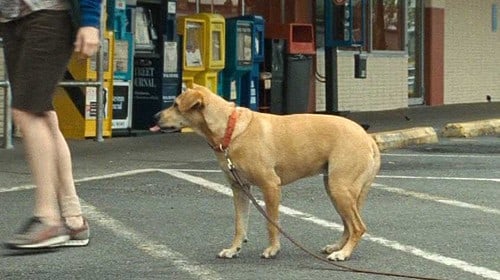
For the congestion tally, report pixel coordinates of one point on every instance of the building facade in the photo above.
(419, 52)
(450, 55)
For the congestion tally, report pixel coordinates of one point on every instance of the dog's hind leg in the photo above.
(328, 249)
(241, 208)
(344, 196)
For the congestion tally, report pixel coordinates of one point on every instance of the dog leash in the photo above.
(343, 268)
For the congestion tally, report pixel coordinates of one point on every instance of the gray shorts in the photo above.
(37, 50)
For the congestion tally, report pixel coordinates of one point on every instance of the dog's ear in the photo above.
(191, 100)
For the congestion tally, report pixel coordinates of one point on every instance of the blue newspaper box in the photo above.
(239, 58)
(250, 82)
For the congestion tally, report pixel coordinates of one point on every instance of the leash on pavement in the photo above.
(343, 268)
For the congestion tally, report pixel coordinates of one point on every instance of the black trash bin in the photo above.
(298, 68)
(297, 83)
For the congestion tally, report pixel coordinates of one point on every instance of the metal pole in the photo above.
(100, 73)
(7, 126)
(7, 118)
(78, 84)
(283, 6)
(331, 81)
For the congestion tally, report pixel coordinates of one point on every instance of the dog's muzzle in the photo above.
(156, 119)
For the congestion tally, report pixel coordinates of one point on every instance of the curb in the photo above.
(405, 137)
(472, 129)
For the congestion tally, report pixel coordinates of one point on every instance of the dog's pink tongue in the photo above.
(154, 128)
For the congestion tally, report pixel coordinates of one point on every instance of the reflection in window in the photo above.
(387, 25)
(357, 21)
(244, 51)
(228, 8)
(216, 45)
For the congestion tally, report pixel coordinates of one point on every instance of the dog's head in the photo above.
(185, 112)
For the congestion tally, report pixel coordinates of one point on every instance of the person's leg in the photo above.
(40, 152)
(45, 228)
(68, 200)
(37, 50)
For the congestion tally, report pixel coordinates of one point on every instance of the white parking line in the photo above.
(153, 249)
(434, 198)
(462, 265)
(441, 155)
(163, 252)
(440, 178)
(141, 242)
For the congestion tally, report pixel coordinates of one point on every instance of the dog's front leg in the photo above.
(272, 198)
(241, 208)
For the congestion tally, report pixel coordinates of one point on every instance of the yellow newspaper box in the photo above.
(77, 106)
(192, 32)
(203, 48)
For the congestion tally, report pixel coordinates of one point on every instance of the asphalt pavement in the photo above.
(159, 208)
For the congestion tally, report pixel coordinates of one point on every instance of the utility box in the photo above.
(360, 65)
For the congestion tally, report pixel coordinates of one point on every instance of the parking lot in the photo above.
(159, 208)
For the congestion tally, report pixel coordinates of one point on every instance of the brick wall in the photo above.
(472, 52)
(385, 88)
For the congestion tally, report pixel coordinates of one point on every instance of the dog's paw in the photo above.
(330, 249)
(229, 253)
(338, 256)
(270, 252)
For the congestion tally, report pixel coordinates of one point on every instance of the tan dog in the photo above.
(270, 151)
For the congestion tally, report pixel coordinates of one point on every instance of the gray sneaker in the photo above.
(35, 234)
(78, 237)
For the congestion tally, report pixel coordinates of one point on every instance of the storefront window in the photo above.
(228, 8)
(387, 25)
(357, 21)
(385, 28)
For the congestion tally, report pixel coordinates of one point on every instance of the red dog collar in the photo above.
(231, 124)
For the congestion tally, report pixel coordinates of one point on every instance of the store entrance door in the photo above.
(415, 43)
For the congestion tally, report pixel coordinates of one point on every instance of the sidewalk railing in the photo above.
(7, 118)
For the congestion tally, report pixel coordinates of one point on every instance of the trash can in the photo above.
(297, 84)
(298, 67)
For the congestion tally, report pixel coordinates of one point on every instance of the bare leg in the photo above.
(40, 153)
(50, 161)
(69, 202)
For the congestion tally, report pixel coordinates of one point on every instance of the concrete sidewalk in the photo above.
(408, 126)
(421, 125)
